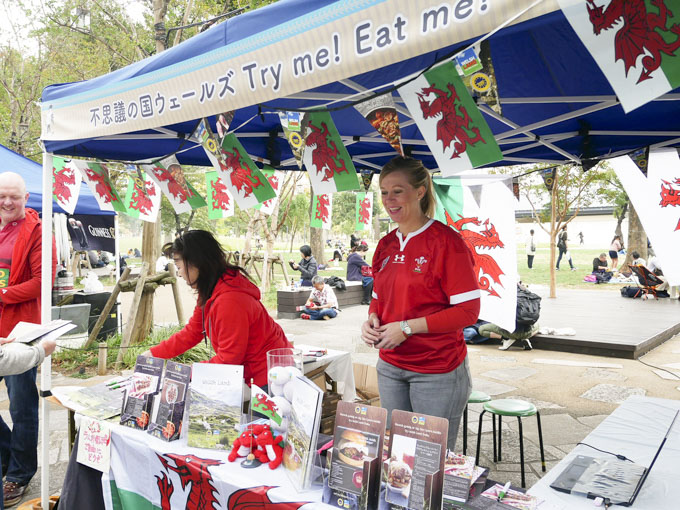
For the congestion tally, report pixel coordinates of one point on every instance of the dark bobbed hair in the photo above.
(417, 176)
(306, 250)
(200, 249)
(635, 255)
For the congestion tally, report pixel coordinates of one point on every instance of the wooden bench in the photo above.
(288, 300)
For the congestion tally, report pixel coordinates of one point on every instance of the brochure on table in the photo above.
(215, 403)
(356, 458)
(168, 413)
(302, 432)
(140, 390)
(459, 472)
(415, 469)
(489, 500)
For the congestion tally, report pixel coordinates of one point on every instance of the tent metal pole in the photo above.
(370, 165)
(45, 317)
(535, 160)
(634, 133)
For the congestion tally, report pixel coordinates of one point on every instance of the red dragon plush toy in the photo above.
(243, 445)
(270, 447)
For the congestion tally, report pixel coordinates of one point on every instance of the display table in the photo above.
(635, 429)
(339, 368)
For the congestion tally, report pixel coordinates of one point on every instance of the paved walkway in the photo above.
(574, 392)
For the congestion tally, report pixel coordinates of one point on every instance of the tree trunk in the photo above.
(637, 237)
(376, 228)
(553, 234)
(292, 240)
(252, 223)
(620, 218)
(316, 243)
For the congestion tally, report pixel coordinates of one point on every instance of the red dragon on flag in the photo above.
(274, 181)
(62, 179)
(220, 197)
(322, 208)
(325, 154)
(365, 211)
(241, 175)
(140, 199)
(191, 470)
(102, 187)
(181, 193)
(488, 238)
(257, 497)
(640, 32)
(453, 126)
(670, 195)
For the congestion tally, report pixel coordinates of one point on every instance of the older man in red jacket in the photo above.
(20, 279)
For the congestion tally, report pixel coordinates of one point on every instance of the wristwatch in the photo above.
(406, 328)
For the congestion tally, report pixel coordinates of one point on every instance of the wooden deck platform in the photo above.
(606, 324)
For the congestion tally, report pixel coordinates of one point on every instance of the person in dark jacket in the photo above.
(355, 263)
(307, 266)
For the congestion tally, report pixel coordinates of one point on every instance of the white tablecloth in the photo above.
(635, 429)
(339, 368)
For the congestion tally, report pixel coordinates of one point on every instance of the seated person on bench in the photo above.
(322, 303)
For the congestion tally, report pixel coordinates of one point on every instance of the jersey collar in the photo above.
(411, 235)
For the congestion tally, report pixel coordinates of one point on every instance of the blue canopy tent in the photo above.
(32, 175)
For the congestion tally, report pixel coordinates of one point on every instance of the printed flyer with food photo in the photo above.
(169, 413)
(458, 474)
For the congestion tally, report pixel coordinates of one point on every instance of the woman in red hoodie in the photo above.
(228, 311)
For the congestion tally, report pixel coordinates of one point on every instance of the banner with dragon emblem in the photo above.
(322, 212)
(169, 176)
(449, 120)
(220, 202)
(275, 180)
(96, 175)
(328, 163)
(364, 211)
(381, 112)
(634, 42)
(656, 199)
(294, 126)
(488, 229)
(65, 184)
(143, 197)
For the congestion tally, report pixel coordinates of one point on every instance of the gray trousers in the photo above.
(443, 395)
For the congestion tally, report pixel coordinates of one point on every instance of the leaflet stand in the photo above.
(368, 485)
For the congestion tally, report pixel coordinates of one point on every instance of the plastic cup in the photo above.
(285, 357)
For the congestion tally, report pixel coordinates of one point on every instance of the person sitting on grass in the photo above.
(600, 264)
(322, 303)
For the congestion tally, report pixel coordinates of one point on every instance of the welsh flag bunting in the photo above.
(96, 175)
(294, 128)
(220, 201)
(364, 211)
(656, 199)
(636, 47)
(450, 121)
(488, 229)
(275, 179)
(169, 176)
(322, 212)
(65, 184)
(143, 198)
(328, 163)
(263, 404)
(382, 114)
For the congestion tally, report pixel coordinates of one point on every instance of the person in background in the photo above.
(21, 258)
(137, 253)
(322, 303)
(95, 261)
(637, 260)
(356, 267)
(162, 263)
(562, 239)
(530, 246)
(600, 264)
(228, 312)
(425, 292)
(307, 266)
(580, 236)
(614, 250)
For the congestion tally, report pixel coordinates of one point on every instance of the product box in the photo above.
(366, 384)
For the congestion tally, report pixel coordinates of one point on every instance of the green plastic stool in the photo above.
(476, 397)
(510, 407)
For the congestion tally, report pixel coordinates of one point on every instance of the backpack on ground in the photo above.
(631, 291)
(528, 307)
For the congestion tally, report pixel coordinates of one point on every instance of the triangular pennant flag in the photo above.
(224, 120)
(65, 184)
(515, 187)
(364, 211)
(488, 230)
(549, 175)
(638, 56)
(294, 129)
(641, 158)
(220, 201)
(169, 176)
(322, 212)
(449, 120)
(143, 197)
(382, 114)
(367, 178)
(479, 75)
(328, 163)
(468, 61)
(275, 180)
(96, 176)
(263, 404)
(207, 139)
(476, 191)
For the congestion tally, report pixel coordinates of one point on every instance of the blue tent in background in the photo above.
(32, 174)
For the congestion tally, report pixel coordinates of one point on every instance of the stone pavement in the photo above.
(573, 392)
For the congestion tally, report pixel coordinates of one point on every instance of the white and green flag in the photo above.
(322, 212)
(66, 181)
(275, 180)
(96, 175)
(220, 201)
(364, 211)
(635, 44)
(143, 197)
(449, 120)
(488, 228)
(169, 176)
